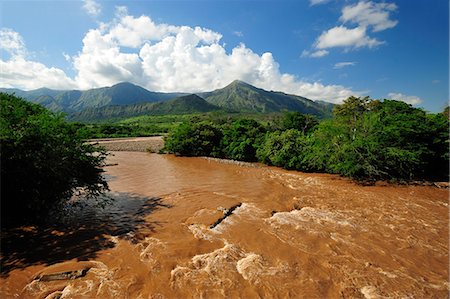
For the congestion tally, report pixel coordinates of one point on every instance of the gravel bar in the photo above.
(138, 144)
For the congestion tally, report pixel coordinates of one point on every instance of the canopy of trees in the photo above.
(365, 140)
(43, 160)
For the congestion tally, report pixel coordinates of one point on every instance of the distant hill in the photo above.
(76, 100)
(181, 105)
(107, 102)
(243, 97)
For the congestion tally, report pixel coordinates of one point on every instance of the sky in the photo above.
(320, 49)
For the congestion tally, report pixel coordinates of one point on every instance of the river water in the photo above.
(203, 228)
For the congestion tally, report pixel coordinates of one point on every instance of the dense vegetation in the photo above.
(188, 104)
(366, 140)
(43, 160)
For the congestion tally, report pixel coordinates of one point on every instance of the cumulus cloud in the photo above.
(92, 7)
(12, 42)
(367, 16)
(341, 65)
(168, 58)
(341, 36)
(413, 100)
(21, 73)
(18, 72)
(372, 14)
(162, 57)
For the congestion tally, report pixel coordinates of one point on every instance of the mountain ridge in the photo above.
(180, 105)
(70, 101)
(238, 96)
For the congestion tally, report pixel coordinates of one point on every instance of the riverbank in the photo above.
(155, 144)
(151, 144)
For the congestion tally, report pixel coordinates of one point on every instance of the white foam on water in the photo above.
(245, 212)
(149, 249)
(299, 218)
(253, 268)
(203, 232)
(369, 292)
(217, 268)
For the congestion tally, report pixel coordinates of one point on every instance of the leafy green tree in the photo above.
(43, 160)
(446, 112)
(194, 139)
(241, 138)
(298, 121)
(284, 149)
(391, 140)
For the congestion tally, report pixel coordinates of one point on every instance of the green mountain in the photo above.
(77, 100)
(181, 105)
(242, 97)
(108, 101)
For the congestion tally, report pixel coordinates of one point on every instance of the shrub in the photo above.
(241, 138)
(285, 149)
(304, 123)
(194, 139)
(43, 160)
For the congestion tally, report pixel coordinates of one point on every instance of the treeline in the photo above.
(117, 130)
(366, 140)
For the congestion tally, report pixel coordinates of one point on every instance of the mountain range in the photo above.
(126, 100)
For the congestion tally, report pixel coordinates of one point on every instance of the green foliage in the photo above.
(366, 140)
(241, 139)
(43, 159)
(391, 140)
(298, 121)
(181, 105)
(285, 149)
(194, 139)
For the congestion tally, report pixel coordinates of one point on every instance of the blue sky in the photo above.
(323, 50)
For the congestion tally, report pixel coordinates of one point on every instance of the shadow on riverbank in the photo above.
(82, 230)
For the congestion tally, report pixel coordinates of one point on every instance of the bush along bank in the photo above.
(366, 140)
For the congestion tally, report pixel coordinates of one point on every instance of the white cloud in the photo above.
(341, 36)
(366, 15)
(18, 72)
(413, 100)
(372, 14)
(180, 58)
(314, 54)
(162, 57)
(340, 65)
(92, 7)
(12, 42)
(317, 2)
(21, 73)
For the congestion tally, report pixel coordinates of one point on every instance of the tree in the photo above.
(391, 140)
(43, 160)
(241, 138)
(194, 139)
(284, 149)
(298, 121)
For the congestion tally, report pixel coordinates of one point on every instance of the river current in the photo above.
(202, 228)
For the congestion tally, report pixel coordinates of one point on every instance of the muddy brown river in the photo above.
(201, 228)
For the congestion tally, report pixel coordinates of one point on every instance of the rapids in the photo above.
(204, 228)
